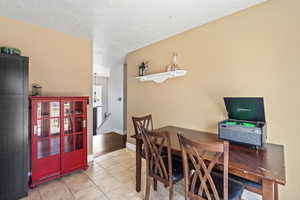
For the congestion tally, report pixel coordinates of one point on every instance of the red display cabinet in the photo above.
(58, 137)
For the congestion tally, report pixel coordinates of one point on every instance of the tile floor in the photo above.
(109, 177)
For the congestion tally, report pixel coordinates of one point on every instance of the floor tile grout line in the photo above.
(38, 190)
(97, 186)
(112, 170)
(69, 188)
(40, 194)
(106, 171)
(119, 154)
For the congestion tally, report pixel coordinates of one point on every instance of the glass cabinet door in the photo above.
(46, 138)
(79, 142)
(78, 124)
(42, 109)
(69, 146)
(68, 125)
(68, 108)
(42, 148)
(78, 107)
(43, 127)
(54, 109)
(55, 126)
(73, 125)
(54, 146)
(68, 131)
(47, 130)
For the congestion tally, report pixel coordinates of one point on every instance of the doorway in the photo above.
(101, 112)
(106, 100)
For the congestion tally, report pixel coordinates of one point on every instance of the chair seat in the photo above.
(242, 180)
(235, 188)
(164, 152)
(177, 167)
(246, 182)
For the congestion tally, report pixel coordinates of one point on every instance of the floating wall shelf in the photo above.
(161, 77)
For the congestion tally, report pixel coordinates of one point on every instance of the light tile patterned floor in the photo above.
(109, 177)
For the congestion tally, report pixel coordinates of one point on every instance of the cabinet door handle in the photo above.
(34, 130)
(84, 123)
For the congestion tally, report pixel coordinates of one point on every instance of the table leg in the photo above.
(270, 190)
(276, 191)
(138, 164)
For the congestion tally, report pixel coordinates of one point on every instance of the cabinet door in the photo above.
(11, 147)
(13, 127)
(46, 138)
(74, 140)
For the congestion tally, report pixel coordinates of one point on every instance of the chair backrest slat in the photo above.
(154, 147)
(200, 158)
(140, 123)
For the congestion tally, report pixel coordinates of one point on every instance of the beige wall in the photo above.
(62, 64)
(255, 52)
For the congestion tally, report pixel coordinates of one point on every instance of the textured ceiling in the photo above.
(120, 26)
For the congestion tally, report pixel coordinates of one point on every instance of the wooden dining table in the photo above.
(263, 166)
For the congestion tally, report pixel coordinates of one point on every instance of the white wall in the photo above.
(111, 65)
(116, 91)
(99, 66)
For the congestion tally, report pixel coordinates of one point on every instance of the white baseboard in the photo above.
(90, 158)
(121, 132)
(104, 131)
(115, 130)
(130, 146)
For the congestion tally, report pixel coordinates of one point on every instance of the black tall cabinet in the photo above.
(14, 151)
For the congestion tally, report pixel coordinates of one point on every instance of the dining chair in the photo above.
(201, 183)
(140, 123)
(160, 166)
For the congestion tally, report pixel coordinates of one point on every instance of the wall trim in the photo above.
(130, 146)
(90, 158)
(121, 132)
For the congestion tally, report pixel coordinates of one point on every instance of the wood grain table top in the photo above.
(267, 163)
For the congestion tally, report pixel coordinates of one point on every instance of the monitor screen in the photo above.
(245, 108)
